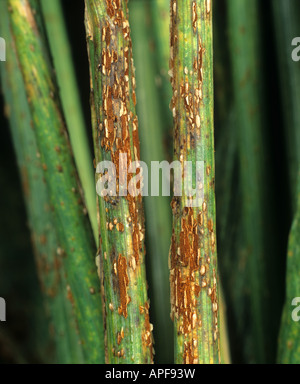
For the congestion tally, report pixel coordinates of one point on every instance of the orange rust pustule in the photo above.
(106, 34)
(123, 284)
(120, 336)
(195, 15)
(188, 357)
(114, 10)
(147, 337)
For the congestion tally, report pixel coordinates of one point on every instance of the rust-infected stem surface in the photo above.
(115, 127)
(193, 255)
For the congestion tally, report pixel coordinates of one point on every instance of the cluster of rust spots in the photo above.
(184, 264)
(212, 236)
(121, 272)
(191, 272)
(147, 337)
(119, 130)
(192, 275)
(188, 356)
(108, 58)
(187, 84)
(115, 224)
(215, 306)
(118, 354)
(115, 11)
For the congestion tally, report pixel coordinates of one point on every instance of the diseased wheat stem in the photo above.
(122, 232)
(193, 255)
(76, 247)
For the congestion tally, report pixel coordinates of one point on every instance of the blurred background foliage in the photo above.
(257, 119)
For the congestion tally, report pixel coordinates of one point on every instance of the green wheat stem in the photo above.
(289, 347)
(34, 189)
(76, 246)
(160, 17)
(66, 78)
(286, 21)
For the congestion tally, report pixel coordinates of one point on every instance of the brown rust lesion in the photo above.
(194, 16)
(147, 337)
(120, 267)
(120, 336)
(186, 265)
(188, 356)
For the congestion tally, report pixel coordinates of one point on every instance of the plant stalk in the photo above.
(121, 218)
(76, 246)
(193, 254)
(68, 87)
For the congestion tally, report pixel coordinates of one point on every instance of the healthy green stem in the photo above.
(258, 225)
(76, 246)
(64, 69)
(286, 20)
(289, 346)
(34, 190)
(160, 16)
